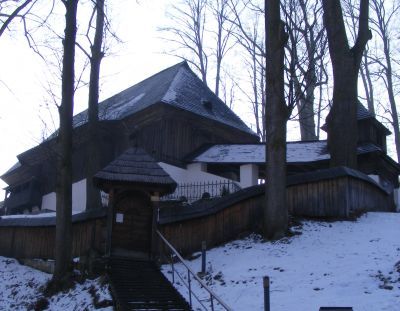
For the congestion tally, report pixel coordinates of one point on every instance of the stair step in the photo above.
(140, 285)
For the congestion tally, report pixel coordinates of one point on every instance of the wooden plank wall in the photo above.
(38, 242)
(227, 224)
(340, 198)
(343, 197)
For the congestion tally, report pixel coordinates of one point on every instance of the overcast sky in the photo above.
(24, 77)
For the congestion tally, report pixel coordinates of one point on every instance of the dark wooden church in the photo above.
(170, 115)
(174, 117)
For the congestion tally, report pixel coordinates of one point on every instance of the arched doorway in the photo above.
(132, 225)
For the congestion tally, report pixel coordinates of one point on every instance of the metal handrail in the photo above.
(190, 271)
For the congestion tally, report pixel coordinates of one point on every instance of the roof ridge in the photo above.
(134, 86)
(181, 64)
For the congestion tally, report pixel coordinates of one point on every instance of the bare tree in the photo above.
(351, 13)
(383, 21)
(31, 19)
(307, 50)
(9, 10)
(277, 114)
(93, 199)
(220, 10)
(187, 33)
(63, 266)
(201, 34)
(342, 118)
(250, 37)
(305, 74)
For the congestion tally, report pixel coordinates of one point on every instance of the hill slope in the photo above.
(342, 263)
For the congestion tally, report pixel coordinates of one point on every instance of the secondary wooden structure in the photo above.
(134, 182)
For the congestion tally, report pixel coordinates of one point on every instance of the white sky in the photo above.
(24, 114)
(23, 75)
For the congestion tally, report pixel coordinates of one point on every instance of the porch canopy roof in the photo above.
(135, 168)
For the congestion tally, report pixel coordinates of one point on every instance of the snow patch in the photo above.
(21, 286)
(255, 153)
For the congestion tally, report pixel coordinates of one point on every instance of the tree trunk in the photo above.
(306, 120)
(392, 101)
(367, 82)
(306, 109)
(63, 247)
(342, 118)
(383, 25)
(276, 112)
(93, 199)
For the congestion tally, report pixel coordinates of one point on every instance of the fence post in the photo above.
(190, 289)
(203, 257)
(173, 269)
(266, 293)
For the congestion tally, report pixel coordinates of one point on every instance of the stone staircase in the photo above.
(140, 285)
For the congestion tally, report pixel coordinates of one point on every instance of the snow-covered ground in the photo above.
(20, 288)
(342, 264)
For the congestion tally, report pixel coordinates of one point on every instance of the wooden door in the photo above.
(132, 225)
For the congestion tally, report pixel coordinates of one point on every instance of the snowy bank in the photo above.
(354, 264)
(20, 287)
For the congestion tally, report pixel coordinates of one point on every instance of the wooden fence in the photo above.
(338, 193)
(215, 228)
(334, 193)
(35, 238)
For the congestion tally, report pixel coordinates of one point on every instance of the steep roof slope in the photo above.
(177, 86)
(364, 114)
(135, 166)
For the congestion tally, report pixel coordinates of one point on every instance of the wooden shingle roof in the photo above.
(364, 114)
(177, 86)
(135, 167)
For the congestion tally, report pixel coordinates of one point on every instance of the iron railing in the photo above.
(213, 299)
(200, 190)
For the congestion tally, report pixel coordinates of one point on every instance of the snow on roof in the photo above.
(177, 86)
(47, 219)
(135, 166)
(297, 152)
(255, 153)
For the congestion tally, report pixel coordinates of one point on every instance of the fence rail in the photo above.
(191, 192)
(191, 275)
